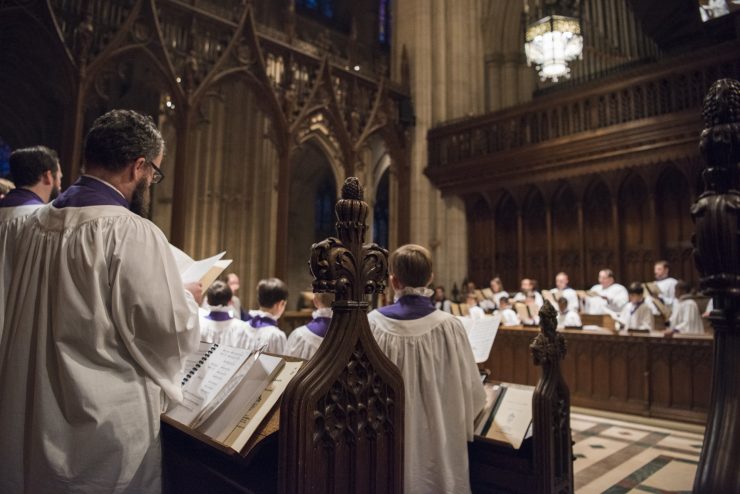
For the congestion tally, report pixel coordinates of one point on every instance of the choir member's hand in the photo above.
(668, 333)
(196, 289)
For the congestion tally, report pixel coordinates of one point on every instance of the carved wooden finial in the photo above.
(344, 265)
(720, 139)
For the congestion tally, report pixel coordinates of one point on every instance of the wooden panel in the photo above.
(535, 246)
(599, 235)
(566, 238)
(637, 257)
(480, 241)
(674, 225)
(506, 259)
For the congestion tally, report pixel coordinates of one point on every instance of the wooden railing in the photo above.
(670, 86)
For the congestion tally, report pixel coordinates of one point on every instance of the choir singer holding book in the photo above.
(97, 327)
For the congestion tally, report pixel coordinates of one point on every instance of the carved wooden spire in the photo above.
(341, 426)
(553, 445)
(716, 215)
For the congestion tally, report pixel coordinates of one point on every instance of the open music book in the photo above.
(507, 415)
(223, 385)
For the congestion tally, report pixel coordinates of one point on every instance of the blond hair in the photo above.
(323, 299)
(411, 265)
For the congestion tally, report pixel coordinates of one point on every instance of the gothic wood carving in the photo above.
(553, 445)
(342, 416)
(716, 242)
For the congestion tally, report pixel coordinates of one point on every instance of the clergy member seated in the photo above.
(263, 331)
(219, 325)
(443, 391)
(636, 315)
(440, 300)
(567, 318)
(97, 329)
(563, 289)
(528, 286)
(685, 317)
(305, 340)
(609, 296)
(666, 286)
(508, 315)
(39, 179)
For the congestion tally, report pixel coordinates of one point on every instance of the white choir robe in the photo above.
(685, 317)
(445, 305)
(96, 333)
(302, 342)
(617, 298)
(634, 316)
(509, 317)
(476, 312)
(569, 319)
(443, 394)
(492, 303)
(11, 222)
(521, 297)
(667, 289)
(271, 337)
(568, 294)
(228, 332)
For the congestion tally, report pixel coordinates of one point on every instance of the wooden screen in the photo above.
(506, 258)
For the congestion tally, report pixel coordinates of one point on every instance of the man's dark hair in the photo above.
(28, 165)
(219, 293)
(120, 137)
(271, 291)
(635, 288)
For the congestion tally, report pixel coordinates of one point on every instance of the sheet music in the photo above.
(513, 417)
(481, 333)
(195, 271)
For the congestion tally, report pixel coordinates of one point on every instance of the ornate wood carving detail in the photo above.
(342, 415)
(553, 445)
(716, 242)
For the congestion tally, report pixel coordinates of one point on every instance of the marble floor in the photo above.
(625, 455)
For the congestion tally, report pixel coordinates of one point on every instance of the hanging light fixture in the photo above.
(553, 39)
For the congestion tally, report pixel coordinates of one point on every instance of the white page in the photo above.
(195, 271)
(182, 260)
(481, 333)
(513, 417)
(207, 382)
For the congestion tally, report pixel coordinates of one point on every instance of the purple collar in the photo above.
(261, 321)
(217, 315)
(409, 307)
(319, 325)
(87, 191)
(20, 197)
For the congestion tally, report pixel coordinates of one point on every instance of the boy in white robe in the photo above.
(262, 326)
(305, 340)
(443, 391)
(509, 317)
(474, 311)
(666, 286)
(636, 314)
(97, 329)
(219, 325)
(567, 318)
(440, 300)
(38, 179)
(685, 316)
(610, 296)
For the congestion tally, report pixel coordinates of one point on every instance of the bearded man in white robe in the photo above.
(443, 390)
(38, 178)
(97, 328)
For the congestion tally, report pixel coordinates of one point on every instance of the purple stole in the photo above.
(20, 197)
(216, 315)
(261, 321)
(87, 191)
(319, 325)
(409, 307)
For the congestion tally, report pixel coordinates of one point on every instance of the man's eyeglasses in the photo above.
(157, 176)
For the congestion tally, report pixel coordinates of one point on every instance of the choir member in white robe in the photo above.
(610, 296)
(440, 300)
(236, 305)
(666, 286)
(39, 180)
(567, 318)
(305, 340)
(443, 390)
(219, 324)
(508, 316)
(529, 286)
(636, 314)
(97, 330)
(474, 312)
(685, 316)
(263, 331)
(497, 291)
(563, 289)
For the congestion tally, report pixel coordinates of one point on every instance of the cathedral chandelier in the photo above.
(553, 39)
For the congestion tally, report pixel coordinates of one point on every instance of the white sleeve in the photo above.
(155, 316)
(277, 342)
